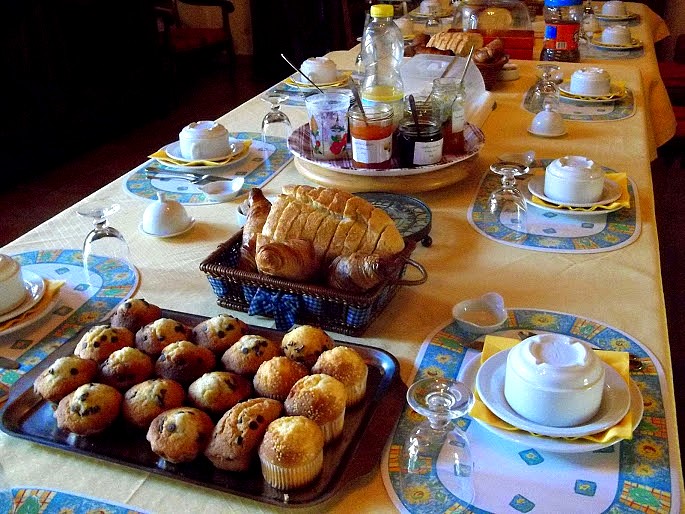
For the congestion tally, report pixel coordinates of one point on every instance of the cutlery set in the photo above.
(199, 179)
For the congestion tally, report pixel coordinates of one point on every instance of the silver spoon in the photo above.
(300, 72)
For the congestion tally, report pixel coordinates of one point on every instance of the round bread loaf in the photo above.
(180, 435)
(237, 435)
(145, 401)
(219, 333)
(90, 409)
(134, 314)
(64, 376)
(291, 453)
(218, 391)
(126, 367)
(346, 365)
(247, 354)
(100, 341)
(305, 343)
(184, 362)
(276, 377)
(155, 336)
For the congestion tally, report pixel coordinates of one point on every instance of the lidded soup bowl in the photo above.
(574, 179)
(12, 288)
(554, 380)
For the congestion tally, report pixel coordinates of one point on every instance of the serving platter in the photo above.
(354, 454)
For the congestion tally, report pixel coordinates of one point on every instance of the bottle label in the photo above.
(427, 153)
(567, 36)
(371, 151)
(457, 120)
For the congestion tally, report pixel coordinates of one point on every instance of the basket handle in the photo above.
(418, 281)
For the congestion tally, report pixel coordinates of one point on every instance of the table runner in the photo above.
(264, 162)
(631, 476)
(80, 303)
(579, 110)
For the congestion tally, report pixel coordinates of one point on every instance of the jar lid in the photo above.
(382, 11)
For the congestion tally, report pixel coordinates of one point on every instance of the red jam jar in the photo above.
(419, 147)
(371, 134)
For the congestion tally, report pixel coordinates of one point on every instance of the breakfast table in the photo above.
(611, 282)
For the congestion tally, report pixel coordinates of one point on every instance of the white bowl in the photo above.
(554, 380)
(547, 123)
(223, 190)
(590, 81)
(617, 35)
(481, 315)
(204, 140)
(164, 218)
(12, 288)
(614, 8)
(574, 179)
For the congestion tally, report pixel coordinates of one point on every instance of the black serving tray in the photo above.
(354, 454)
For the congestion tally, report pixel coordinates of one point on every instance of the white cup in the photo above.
(574, 179)
(590, 81)
(204, 140)
(12, 288)
(614, 8)
(616, 35)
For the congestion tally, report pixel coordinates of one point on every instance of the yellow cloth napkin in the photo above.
(164, 157)
(617, 360)
(52, 288)
(623, 201)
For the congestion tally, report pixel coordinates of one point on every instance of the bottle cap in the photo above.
(562, 3)
(382, 11)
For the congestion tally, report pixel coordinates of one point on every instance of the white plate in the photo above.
(615, 93)
(610, 193)
(634, 45)
(34, 317)
(490, 386)
(173, 150)
(616, 17)
(547, 134)
(553, 444)
(297, 80)
(528, 197)
(35, 289)
(186, 229)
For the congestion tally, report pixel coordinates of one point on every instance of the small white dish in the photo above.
(223, 190)
(190, 225)
(509, 72)
(547, 123)
(610, 193)
(481, 315)
(526, 158)
(552, 444)
(35, 289)
(535, 132)
(165, 218)
(241, 213)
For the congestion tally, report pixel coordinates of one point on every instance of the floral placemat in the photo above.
(30, 500)
(630, 476)
(580, 110)
(556, 231)
(265, 160)
(80, 302)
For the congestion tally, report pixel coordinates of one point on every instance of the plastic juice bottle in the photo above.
(562, 30)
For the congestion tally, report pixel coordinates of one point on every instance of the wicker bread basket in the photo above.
(292, 302)
(490, 71)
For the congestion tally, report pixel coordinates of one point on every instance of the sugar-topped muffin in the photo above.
(246, 355)
(218, 391)
(134, 314)
(320, 398)
(305, 343)
(345, 364)
(237, 435)
(184, 362)
(145, 401)
(155, 336)
(90, 409)
(275, 377)
(100, 341)
(126, 367)
(64, 376)
(291, 452)
(180, 435)
(219, 333)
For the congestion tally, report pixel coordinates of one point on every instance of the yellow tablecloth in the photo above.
(460, 263)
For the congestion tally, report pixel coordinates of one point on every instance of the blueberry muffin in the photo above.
(219, 333)
(145, 401)
(345, 364)
(126, 367)
(184, 362)
(90, 409)
(100, 341)
(180, 435)
(246, 355)
(236, 437)
(275, 377)
(291, 452)
(218, 391)
(155, 336)
(134, 314)
(305, 343)
(320, 398)
(64, 376)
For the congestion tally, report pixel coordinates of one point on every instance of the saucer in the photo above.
(551, 444)
(490, 386)
(301, 82)
(635, 44)
(32, 318)
(547, 134)
(528, 197)
(616, 17)
(615, 93)
(35, 289)
(610, 193)
(183, 231)
(173, 150)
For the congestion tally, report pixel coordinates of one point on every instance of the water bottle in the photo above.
(382, 50)
(562, 30)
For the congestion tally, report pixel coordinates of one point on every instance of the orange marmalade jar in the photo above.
(371, 136)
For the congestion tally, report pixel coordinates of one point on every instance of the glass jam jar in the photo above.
(448, 98)
(371, 136)
(419, 146)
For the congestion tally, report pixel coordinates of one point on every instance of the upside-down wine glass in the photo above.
(276, 123)
(437, 445)
(507, 203)
(546, 91)
(103, 240)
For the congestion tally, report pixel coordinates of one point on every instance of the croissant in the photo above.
(293, 259)
(257, 212)
(358, 271)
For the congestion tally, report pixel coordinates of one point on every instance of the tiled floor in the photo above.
(218, 91)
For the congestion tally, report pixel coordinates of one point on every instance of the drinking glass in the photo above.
(103, 240)
(507, 203)
(437, 444)
(276, 123)
(546, 91)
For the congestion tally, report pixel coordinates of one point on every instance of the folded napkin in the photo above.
(617, 360)
(623, 201)
(164, 157)
(52, 288)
